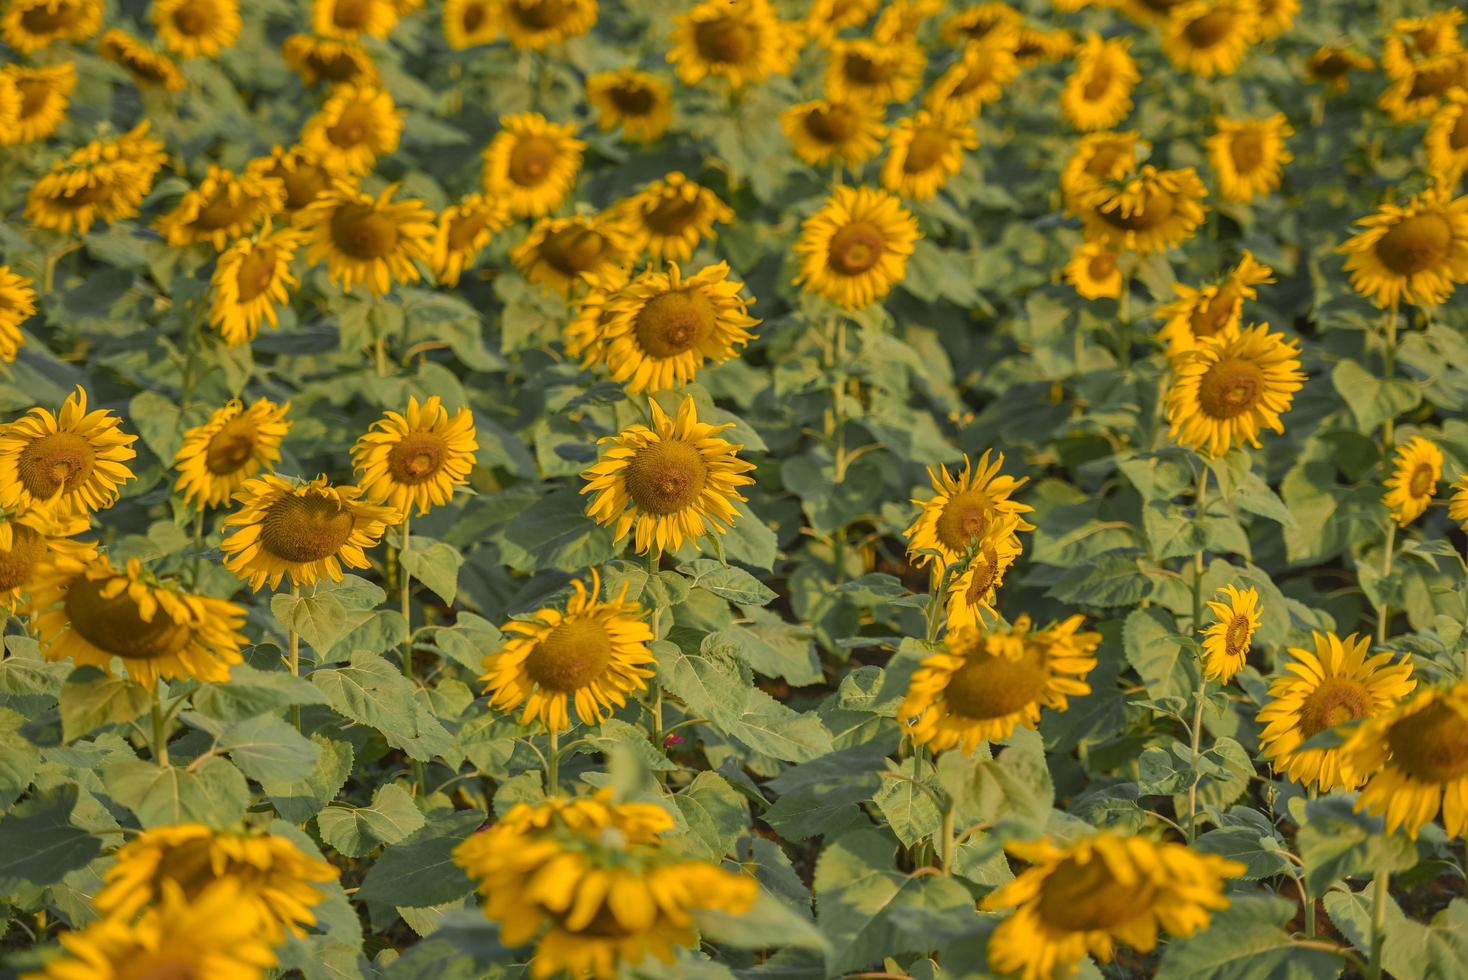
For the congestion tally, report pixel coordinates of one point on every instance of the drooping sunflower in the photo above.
(590, 657)
(639, 102)
(1098, 892)
(1276, 17)
(197, 28)
(537, 24)
(45, 92)
(1415, 473)
(1210, 37)
(984, 684)
(366, 239)
(1098, 158)
(561, 254)
(1098, 93)
(1093, 271)
(971, 592)
(307, 531)
(1232, 386)
(669, 483)
(146, 66)
(462, 232)
(330, 60)
(251, 281)
(1332, 65)
(416, 458)
(1335, 683)
(236, 442)
(1248, 155)
(1458, 503)
(1226, 643)
(531, 163)
(30, 25)
(17, 304)
(979, 21)
(74, 461)
(823, 132)
(303, 173)
(350, 19)
(1417, 252)
(924, 151)
(863, 70)
(358, 124)
(620, 893)
(963, 509)
(855, 248)
(737, 40)
(1446, 139)
(1414, 761)
(470, 23)
(669, 217)
(222, 208)
(1147, 211)
(86, 610)
(1210, 310)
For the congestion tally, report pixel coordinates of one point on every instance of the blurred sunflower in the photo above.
(560, 254)
(470, 23)
(591, 656)
(147, 67)
(82, 190)
(307, 531)
(358, 124)
(44, 92)
(29, 539)
(963, 509)
(863, 70)
(844, 133)
(537, 24)
(1276, 17)
(350, 19)
(1099, 157)
(855, 248)
(1413, 40)
(251, 281)
(1210, 310)
(1210, 37)
(1093, 271)
(639, 102)
(1332, 685)
(74, 460)
(1037, 46)
(1101, 890)
(416, 458)
(1098, 93)
(366, 239)
(1446, 140)
(899, 20)
(302, 172)
(1146, 211)
(669, 217)
(828, 18)
(1415, 474)
(737, 40)
(668, 483)
(1332, 66)
(197, 28)
(984, 684)
(1232, 386)
(924, 151)
(222, 208)
(1226, 642)
(1149, 13)
(1458, 504)
(329, 60)
(1414, 761)
(979, 21)
(970, 595)
(531, 163)
(86, 610)
(584, 333)
(236, 442)
(1416, 252)
(1419, 92)
(462, 231)
(30, 25)
(1248, 156)
(17, 304)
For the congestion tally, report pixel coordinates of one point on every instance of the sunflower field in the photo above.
(787, 489)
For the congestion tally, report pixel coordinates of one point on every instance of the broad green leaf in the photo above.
(39, 843)
(267, 748)
(371, 692)
(212, 791)
(420, 871)
(298, 800)
(91, 698)
(1245, 942)
(435, 564)
(716, 814)
(353, 831)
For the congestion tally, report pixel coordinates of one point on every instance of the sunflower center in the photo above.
(965, 517)
(1434, 80)
(1422, 482)
(671, 215)
(58, 462)
(1105, 158)
(834, 125)
(540, 15)
(994, 687)
(856, 248)
(302, 185)
(1431, 745)
(1101, 266)
(1210, 29)
(336, 65)
(1247, 150)
(867, 71)
(160, 966)
(1156, 207)
(1335, 701)
(83, 197)
(674, 323)
(465, 228)
(574, 250)
(925, 150)
(231, 447)
(114, 623)
(666, 477)
(1086, 897)
(44, 20)
(1230, 388)
(1415, 244)
(1332, 66)
(1458, 138)
(631, 99)
(305, 529)
(1424, 39)
(1099, 83)
(353, 128)
(352, 15)
(191, 20)
(985, 572)
(1213, 316)
(222, 212)
(416, 458)
(34, 95)
(474, 16)
(727, 40)
(531, 160)
(362, 233)
(256, 273)
(27, 547)
(1236, 637)
(572, 655)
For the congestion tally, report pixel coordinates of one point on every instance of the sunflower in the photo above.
(863, 70)
(1417, 252)
(1416, 471)
(531, 163)
(672, 482)
(134, 148)
(1414, 761)
(971, 592)
(639, 102)
(1210, 37)
(17, 304)
(1335, 684)
(824, 132)
(102, 181)
(1146, 211)
(1231, 386)
(659, 330)
(274, 880)
(1037, 46)
(30, 25)
(855, 248)
(924, 151)
(619, 894)
(44, 94)
(1458, 504)
(307, 530)
(461, 234)
(668, 218)
(1226, 642)
(470, 23)
(31, 537)
(1149, 13)
(1097, 892)
(1276, 17)
(74, 460)
(330, 60)
(1248, 156)
(739, 41)
(1093, 271)
(978, 22)
(1446, 139)
(237, 442)
(1413, 40)
(1423, 58)
(222, 208)
(146, 66)
(1099, 157)
(900, 20)
(584, 333)
(358, 124)
(303, 173)
(366, 239)
(984, 684)
(963, 509)
(537, 24)
(1098, 93)
(251, 281)
(1332, 65)
(417, 458)
(1210, 310)
(197, 28)
(560, 254)
(350, 19)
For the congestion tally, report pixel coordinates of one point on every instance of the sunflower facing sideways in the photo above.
(416, 458)
(1145, 211)
(531, 163)
(462, 232)
(828, 18)
(1094, 272)
(366, 239)
(1206, 311)
(252, 281)
(924, 151)
(585, 330)
(1446, 139)
(1424, 60)
(222, 209)
(470, 23)
(197, 28)
(638, 102)
(563, 254)
(17, 304)
(1332, 684)
(74, 460)
(29, 538)
(855, 248)
(1417, 252)
(1099, 157)
(301, 171)
(1226, 643)
(971, 592)
(351, 19)
(1458, 503)
(358, 124)
(329, 60)
(1248, 156)
(1096, 893)
(235, 443)
(964, 509)
(863, 70)
(1210, 37)
(45, 92)
(30, 25)
(147, 67)
(669, 217)
(537, 24)
(824, 132)
(305, 530)
(739, 41)
(668, 483)
(1415, 474)
(1098, 93)
(100, 182)
(1232, 386)
(978, 77)
(1332, 66)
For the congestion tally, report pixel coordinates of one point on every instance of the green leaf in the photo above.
(19, 760)
(250, 692)
(39, 843)
(716, 814)
(711, 685)
(1112, 578)
(353, 831)
(615, 732)
(298, 800)
(775, 729)
(469, 640)
(156, 419)
(769, 924)
(818, 792)
(1335, 843)
(770, 649)
(321, 616)
(1245, 942)
(734, 584)
(371, 692)
(751, 540)
(91, 698)
(1167, 668)
(435, 564)
(212, 791)
(910, 810)
(1372, 401)
(420, 871)
(267, 748)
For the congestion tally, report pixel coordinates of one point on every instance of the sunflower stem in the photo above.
(1388, 371)
(160, 730)
(1201, 698)
(379, 356)
(295, 660)
(950, 845)
(1200, 503)
(1124, 321)
(404, 583)
(198, 546)
(553, 763)
(1378, 925)
(1384, 613)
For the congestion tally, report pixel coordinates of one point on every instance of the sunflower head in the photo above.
(1417, 252)
(1210, 37)
(1415, 474)
(1446, 139)
(222, 208)
(1098, 93)
(638, 102)
(416, 458)
(740, 41)
(462, 232)
(1213, 309)
(964, 510)
(1332, 66)
(43, 93)
(30, 25)
(251, 281)
(302, 172)
(1094, 272)
(329, 60)
(470, 23)
(855, 248)
(978, 77)
(366, 239)
(924, 151)
(1099, 157)
(1037, 46)
(17, 304)
(824, 132)
(970, 597)
(236, 442)
(978, 22)
(564, 254)
(30, 538)
(197, 28)
(358, 124)
(531, 163)
(1231, 387)
(862, 69)
(1415, 758)
(669, 217)
(351, 19)
(537, 24)
(1226, 643)
(1144, 211)
(828, 18)
(1248, 156)
(74, 460)
(147, 67)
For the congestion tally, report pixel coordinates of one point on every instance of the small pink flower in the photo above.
(672, 740)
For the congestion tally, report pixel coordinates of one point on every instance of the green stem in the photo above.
(1200, 502)
(1124, 322)
(294, 652)
(379, 356)
(1378, 925)
(1389, 370)
(405, 583)
(1384, 614)
(553, 763)
(160, 730)
(198, 546)
(949, 843)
